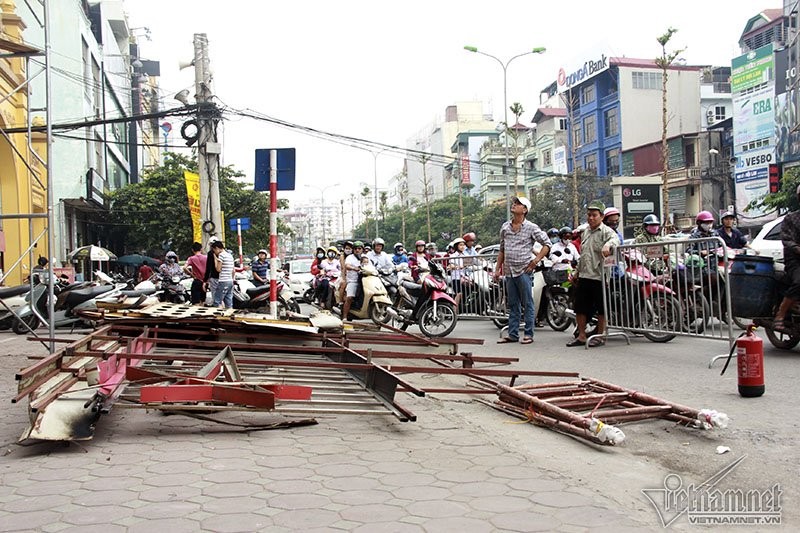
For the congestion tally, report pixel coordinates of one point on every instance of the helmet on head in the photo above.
(610, 211)
(172, 255)
(398, 246)
(431, 246)
(553, 232)
(469, 236)
(263, 251)
(727, 214)
(419, 243)
(566, 230)
(358, 244)
(377, 241)
(348, 243)
(333, 249)
(704, 216)
(456, 242)
(650, 219)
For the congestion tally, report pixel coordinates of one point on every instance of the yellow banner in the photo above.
(193, 193)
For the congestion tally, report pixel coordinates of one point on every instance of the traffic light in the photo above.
(774, 178)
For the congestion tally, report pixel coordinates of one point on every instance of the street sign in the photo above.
(286, 168)
(234, 222)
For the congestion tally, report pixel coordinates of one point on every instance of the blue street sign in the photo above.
(286, 167)
(233, 222)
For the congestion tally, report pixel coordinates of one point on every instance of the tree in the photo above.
(570, 102)
(783, 200)
(383, 198)
(426, 192)
(664, 62)
(154, 213)
(365, 208)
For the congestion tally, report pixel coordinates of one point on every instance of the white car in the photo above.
(768, 241)
(299, 276)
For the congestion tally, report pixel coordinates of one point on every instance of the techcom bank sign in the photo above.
(569, 77)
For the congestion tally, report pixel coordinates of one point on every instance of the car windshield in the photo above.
(300, 267)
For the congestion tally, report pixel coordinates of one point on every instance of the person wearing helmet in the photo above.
(455, 266)
(790, 235)
(352, 266)
(517, 262)
(196, 268)
(378, 257)
(733, 237)
(469, 241)
(651, 232)
(577, 233)
(611, 219)
(431, 250)
(553, 234)
(399, 254)
(259, 268)
(329, 272)
(418, 261)
(170, 266)
(704, 229)
(564, 254)
(347, 250)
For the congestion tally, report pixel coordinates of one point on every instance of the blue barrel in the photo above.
(752, 285)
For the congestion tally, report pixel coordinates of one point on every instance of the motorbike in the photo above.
(372, 300)
(172, 289)
(426, 304)
(71, 299)
(246, 295)
(556, 291)
(13, 299)
(789, 336)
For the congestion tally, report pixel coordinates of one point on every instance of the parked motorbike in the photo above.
(372, 301)
(426, 304)
(13, 299)
(556, 292)
(247, 296)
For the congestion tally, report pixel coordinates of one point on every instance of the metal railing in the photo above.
(471, 281)
(668, 288)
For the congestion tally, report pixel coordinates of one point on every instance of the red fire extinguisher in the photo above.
(750, 363)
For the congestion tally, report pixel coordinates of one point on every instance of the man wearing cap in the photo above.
(597, 242)
(259, 269)
(733, 237)
(517, 262)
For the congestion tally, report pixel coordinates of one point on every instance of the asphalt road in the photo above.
(455, 439)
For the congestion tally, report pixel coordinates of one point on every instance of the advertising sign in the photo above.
(753, 117)
(575, 74)
(560, 160)
(787, 137)
(752, 183)
(639, 201)
(193, 194)
(465, 169)
(751, 69)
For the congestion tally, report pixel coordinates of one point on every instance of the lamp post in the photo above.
(537, 50)
(322, 207)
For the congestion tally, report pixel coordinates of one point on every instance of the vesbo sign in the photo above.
(589, 69)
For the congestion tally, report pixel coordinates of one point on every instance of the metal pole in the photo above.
(50, 237)
(273, 233)
(505, 139)
(322, 217)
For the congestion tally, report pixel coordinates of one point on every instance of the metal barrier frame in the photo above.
(485, 298)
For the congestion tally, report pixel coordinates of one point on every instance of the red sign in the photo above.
(774, 178)
(465, 169)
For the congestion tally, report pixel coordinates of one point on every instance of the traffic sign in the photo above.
(234, 222)
(286, 167)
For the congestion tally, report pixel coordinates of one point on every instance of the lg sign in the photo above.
(627, 192)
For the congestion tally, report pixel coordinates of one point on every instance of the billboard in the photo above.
(787, 137)
(638, 201)
(576, 74)
(753, 116)
(560, 160)
(751, 69)
(751, 175)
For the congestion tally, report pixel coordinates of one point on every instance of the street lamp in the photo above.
(322, 207)
(537, 50)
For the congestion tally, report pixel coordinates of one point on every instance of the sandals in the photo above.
(779, 325)
(506, 340)
(575, 342)
(526, 340)
(597, 341)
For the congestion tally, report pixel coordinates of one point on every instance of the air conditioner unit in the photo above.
(710, 116)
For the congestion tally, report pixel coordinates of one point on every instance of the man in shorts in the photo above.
(352, 266)
(597, 243)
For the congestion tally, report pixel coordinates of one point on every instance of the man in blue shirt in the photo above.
(399, 254)
(259, 269)
(733, 237)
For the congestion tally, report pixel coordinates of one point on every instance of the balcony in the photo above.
(684, 176)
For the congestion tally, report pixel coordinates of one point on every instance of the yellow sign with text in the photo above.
(193, 193)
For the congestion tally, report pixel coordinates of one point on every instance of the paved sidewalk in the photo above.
(149, 472)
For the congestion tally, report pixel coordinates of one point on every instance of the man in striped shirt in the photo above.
(223, 295)
(517, 261)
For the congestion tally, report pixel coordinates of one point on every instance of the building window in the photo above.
(547, 155)
(612, 162)
(562, 123)
(587, 94)
(612, 122)
(589, 130)
(719, 113)
(646, 80)
(590, 162)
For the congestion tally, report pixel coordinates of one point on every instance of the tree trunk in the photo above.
(426, 193)
(664, 150)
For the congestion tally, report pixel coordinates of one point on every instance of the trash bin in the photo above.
(752, 286)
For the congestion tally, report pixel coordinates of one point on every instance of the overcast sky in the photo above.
(384, 70)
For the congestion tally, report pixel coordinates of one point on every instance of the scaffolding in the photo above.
(18, 49)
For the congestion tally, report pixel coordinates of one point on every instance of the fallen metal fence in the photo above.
(671, 287)
(471, 282)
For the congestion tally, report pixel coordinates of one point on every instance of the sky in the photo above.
(383, 71)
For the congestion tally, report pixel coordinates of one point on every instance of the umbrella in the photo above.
(93, 253)
(136, 260)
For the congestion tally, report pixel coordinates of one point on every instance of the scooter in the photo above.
(172, 289)
(13, 299)
(372, 301)
(71, 299)
(247, 296)
(427, 304)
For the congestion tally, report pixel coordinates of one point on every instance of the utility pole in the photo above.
(341, 204)
(207, 146)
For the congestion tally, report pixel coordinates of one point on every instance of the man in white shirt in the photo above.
(378, 257)
(223, 295)
(352, 266)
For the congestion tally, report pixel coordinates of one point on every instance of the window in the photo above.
(547, 155)
(612, 162)
(646, 80)
(612, 122)
(589, 130)
(719, 113)
(590, 162)
(562, 123)
(587, 94)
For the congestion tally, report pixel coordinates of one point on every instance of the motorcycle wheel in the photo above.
(696, 312)
(742, 322)
(293, 306)
(19, 328)
(781, 340)
(308, 296)
(379, 313)
(557, 317)
(440, 325)
(662, 316)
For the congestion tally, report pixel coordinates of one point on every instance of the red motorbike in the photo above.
(426, 304)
